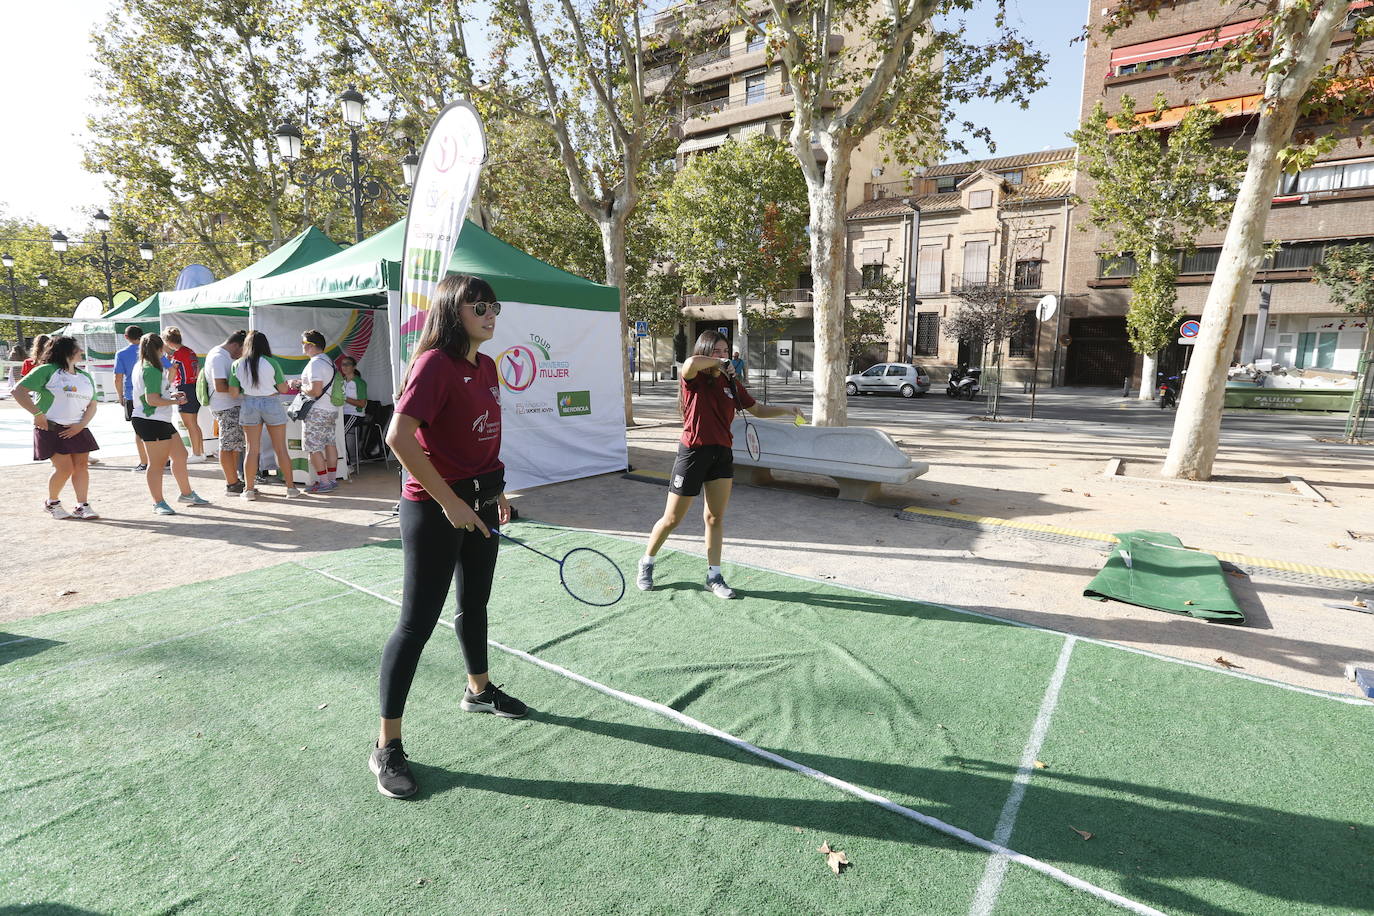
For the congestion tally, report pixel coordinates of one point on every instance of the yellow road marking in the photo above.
(1327, 571)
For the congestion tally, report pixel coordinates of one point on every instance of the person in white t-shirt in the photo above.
(354, 409)
(319, 381)
(224, 404)
(258, 377)
(65, 407)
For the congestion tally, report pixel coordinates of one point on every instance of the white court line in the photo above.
(1222, 672)
(81, 663)
(991, 886)
(933, 823)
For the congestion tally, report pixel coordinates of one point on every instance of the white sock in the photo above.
(712, 572)
(646, 560)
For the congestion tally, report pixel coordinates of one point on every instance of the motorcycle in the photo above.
(963, 383)
(1168, 391)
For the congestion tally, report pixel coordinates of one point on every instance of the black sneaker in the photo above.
(493, 700)
(394, 779)
(235, 488)
(140, 468)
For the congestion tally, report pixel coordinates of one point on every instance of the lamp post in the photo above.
(354, 180)
(7, 259)
(102, 258)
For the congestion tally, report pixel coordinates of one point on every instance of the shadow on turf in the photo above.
(1146, 834)
(47, 909)
(22, 647)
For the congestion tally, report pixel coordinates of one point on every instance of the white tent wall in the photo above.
(561, 392)
(361, 333)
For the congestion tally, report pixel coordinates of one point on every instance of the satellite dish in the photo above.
(194, 275)
(90, 307)
(1047, 306)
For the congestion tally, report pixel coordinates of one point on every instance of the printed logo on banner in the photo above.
(523, 364)
(574, 403)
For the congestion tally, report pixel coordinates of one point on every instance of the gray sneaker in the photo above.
(718, 587)
(645, 579)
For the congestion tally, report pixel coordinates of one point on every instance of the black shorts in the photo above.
(153, 430)
(192, 404)
(695, 466)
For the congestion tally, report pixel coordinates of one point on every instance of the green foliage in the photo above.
(1153, 316)
(867, 316)
(1347, 273)
(734, 221)
(1154, 194)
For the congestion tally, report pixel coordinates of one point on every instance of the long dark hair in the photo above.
(706, 342)
(148, 345)
(443, 328)
(61, 350)
(256, 349)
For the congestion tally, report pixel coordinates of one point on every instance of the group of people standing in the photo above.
(156, 377)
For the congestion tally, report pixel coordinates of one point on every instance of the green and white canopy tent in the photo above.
(558, 346)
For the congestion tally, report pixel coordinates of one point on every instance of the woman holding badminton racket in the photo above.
(708, 396)
(446, 431)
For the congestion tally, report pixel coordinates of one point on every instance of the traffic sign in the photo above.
(641, 328)
(1187, 341)
(1189, 329)
(724, 331)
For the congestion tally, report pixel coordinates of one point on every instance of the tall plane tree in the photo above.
(910, 61)
(1289, 53)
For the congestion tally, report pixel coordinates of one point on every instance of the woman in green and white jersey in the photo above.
(155, 400)
(65, 406)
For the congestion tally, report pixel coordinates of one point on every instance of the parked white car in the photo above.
(889, 378)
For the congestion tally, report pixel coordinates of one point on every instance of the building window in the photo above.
(1178, 50)
(804, 280)
(1202, 261)
(1014, 177)
(1317, 350)
(753, 88)
(976, 261)
(946, 183)
(872, 276)
(979, 200)
(756, 39)
(1328, 178)
(1028, 274)
(1022, 342)
(927, 333)
(930, 269)
(1295, 256)
(1115, 265)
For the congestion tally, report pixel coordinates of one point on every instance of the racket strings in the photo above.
(592, 577)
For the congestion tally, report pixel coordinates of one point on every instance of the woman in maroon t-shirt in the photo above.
(708, 397)
(446, 431)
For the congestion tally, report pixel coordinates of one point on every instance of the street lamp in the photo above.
(354, 180)
(102, 259)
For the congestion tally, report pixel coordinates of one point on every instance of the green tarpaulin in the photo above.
(361, 276)
(1153, 569)
(230, 295)
(145, 314)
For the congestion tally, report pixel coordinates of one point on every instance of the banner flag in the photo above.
(445, 181)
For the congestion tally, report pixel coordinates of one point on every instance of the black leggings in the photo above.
(436, 554)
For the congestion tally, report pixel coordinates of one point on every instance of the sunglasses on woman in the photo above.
(481, 308)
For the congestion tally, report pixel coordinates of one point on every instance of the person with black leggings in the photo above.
(446, 431)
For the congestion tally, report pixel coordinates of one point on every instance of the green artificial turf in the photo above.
(203, 749)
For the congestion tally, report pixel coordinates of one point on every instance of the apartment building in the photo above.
(736, 91)
(1288, 318)
(999, 222)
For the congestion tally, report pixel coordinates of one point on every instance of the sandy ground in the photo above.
(1045, 471)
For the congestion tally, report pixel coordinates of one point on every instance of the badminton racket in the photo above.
(751, 435)
(588, 575)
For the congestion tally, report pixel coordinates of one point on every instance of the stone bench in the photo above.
(859, 458)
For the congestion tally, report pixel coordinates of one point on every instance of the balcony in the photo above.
(786, 296)
(959, 283)
(726, 111)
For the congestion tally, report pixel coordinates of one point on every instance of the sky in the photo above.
(46, 61)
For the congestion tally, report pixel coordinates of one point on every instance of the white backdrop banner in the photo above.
(562, 410)
(359, 333)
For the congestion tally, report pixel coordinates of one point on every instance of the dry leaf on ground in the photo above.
(1332, 544)
(1083, 833)
(65, 592)
(954, 501)
(1190, 601)
(835, 858)
(1041, 765)
(322, 706)
(1225, 662)
(1066, 489)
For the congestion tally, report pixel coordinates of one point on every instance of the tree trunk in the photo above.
(613, 249)
(742, 332)
(1193, 447)
(828, 238)
(1149, 365)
